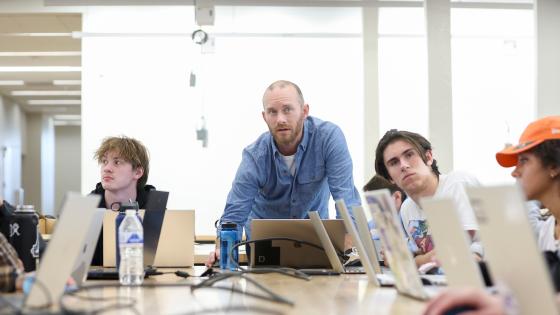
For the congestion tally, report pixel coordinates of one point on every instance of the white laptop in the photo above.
(333, 256)
(397, 254)
(378, 279)
(452, 243)
(373, 252)
(63, 249)
(510, 246)
(176, 241)
(79, 271)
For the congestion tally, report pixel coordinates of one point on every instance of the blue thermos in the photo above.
(228, 238)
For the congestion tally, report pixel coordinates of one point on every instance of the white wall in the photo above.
(138, 86)
(12, 128)
(68, 161)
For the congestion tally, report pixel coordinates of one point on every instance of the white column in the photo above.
(371, 88)
(547, 28)
(438, 35)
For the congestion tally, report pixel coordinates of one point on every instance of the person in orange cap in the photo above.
(537, 169)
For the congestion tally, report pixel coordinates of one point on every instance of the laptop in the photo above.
(334, 257)
(452, 243)
(152, 222)
(407, 280)
(511, 247)
(65, 245)
(288, 253)
(373, 251)
(79, 273)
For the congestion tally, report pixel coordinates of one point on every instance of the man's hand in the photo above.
(213, 257)
(478, 300)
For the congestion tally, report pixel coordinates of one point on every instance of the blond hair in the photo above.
(129, 149)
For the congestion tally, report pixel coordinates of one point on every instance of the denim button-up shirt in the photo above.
(264, 188)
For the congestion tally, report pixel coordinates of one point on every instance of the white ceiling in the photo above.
(38, 49)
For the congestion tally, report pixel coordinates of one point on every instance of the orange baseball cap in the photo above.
(537, 132)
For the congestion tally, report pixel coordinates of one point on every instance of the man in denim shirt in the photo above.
(290, 170)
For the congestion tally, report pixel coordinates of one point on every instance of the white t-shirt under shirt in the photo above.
(546, 235)
(451, 186)
(289, 160)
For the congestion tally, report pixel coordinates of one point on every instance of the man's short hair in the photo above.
(282, 84)
(420, 144)
(129, 149)
(379, 182)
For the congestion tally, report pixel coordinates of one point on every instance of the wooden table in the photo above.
(345, 294)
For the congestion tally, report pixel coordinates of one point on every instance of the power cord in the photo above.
(273, 297)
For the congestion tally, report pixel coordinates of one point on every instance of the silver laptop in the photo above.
(79, 273)
(397, 254)
(287, 253)
(175, 247)
(332, 254)
(511, 249)
(373, 251)
(64, 247)
(452, 243)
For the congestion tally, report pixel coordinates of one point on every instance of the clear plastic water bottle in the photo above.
(131, 245)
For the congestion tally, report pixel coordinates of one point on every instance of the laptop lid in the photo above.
(351, 229)
(372, 251)
(176, 244)
(452, 243)
(326, 242)
(64, 247)
(153, 222)
(397, 254)
(288, 253)
(511, 248)
(79, 273)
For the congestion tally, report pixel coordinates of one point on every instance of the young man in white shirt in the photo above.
(406, 159)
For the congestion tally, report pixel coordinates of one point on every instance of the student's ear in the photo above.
(554, 171)
(397, 197)
(429, 158)
(305, 110)
(138, 172)
(263, 116)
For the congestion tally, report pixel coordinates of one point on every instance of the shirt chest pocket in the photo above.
(306, 176)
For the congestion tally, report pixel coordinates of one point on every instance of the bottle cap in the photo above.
(25, 208)
(229, 225)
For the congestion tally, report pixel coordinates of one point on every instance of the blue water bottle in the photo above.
(118, 221)
(228, 238)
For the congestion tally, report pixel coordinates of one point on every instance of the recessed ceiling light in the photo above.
(46, 93)
(67, 82)
(67, 117)
(41, 69)
(54, 102)
(38, 34)
(39, 53)
(11, 82)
